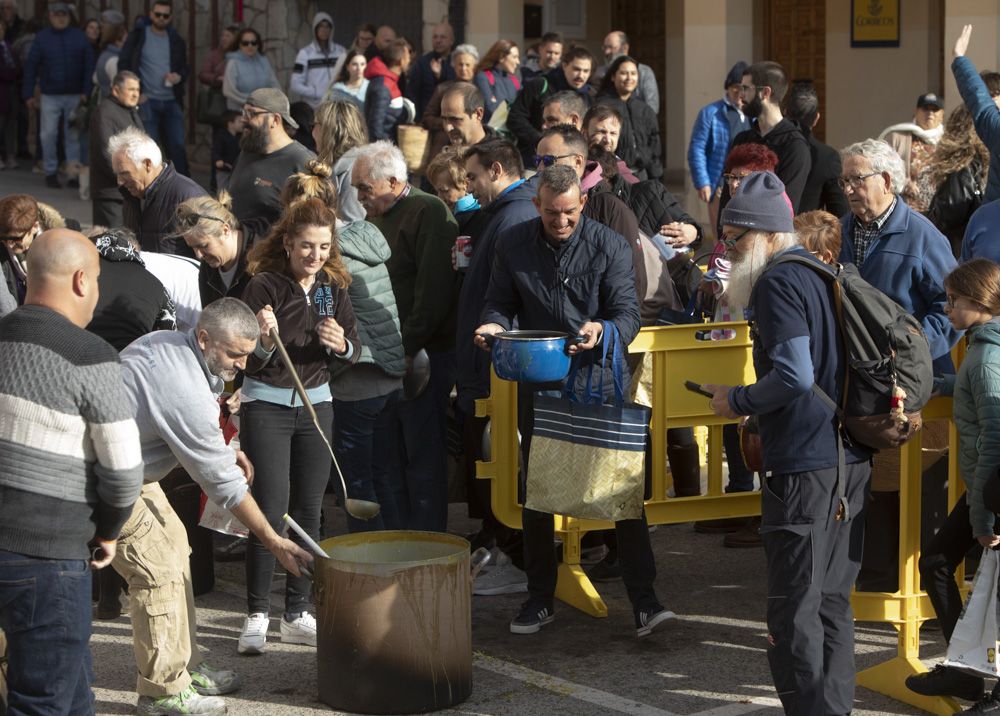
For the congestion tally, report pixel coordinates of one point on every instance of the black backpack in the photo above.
(889, 376)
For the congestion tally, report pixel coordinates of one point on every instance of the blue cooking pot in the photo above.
(532, 356)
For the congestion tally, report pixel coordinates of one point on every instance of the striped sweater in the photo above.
(70, 464)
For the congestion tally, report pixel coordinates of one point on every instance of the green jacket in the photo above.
(976, 412)
(365, 253)
(421, 233)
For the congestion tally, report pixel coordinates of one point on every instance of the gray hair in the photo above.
(569, 102)
(137, 145)
(785, 240)
(123, 75)
(383, 160)
(559, 179)
(229, 318)
(882, 158)
(467, 49)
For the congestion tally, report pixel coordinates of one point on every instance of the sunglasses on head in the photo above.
(550, 159)
(248, 43)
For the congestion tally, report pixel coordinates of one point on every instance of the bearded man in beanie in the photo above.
(812, 539)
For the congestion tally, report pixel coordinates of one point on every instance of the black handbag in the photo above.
(211, 106)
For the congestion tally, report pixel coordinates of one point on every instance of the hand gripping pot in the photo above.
(532, 356)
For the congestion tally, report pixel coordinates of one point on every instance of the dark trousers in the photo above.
(740, 476)
(538, 532)
(108, 212)
(420, 460)
(363, 440)
(939, 560)
(45, 614)
(812, 561)
(164, 122)
(291, 471)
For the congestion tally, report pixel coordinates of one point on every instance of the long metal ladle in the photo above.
(361, 509)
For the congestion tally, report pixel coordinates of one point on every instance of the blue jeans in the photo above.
(45, 613)
(164, 122)
(420, 467)
(363, 440)
(56, 108)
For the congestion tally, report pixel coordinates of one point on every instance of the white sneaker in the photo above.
(504, 578)
(301, 630)
(254, 636)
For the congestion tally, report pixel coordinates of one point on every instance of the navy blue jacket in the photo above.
(62, 62)
(381, 117)
(510, 209)
(131, 55)
(908, 262)
(985, 115)
(589, 277)
(421, 82)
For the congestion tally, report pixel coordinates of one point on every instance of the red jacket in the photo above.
(377, 68)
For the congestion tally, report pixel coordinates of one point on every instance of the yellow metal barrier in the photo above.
(678, 354)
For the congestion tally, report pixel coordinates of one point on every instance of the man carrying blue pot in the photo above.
(564, 272)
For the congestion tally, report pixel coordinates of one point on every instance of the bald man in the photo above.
(70, 471)
(431, 68)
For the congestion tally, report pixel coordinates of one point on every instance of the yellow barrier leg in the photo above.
(574, 586)
(889, 677)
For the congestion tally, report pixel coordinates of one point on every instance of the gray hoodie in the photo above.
(350, 208)
(175, 399)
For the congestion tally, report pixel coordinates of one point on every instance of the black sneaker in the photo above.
(989, 704)
(945, 681)
(532, 617)
(52, 181)
(608, 569)
(651, 619)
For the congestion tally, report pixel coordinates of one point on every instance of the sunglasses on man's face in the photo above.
(550, 159)
(162, 15)
(248, 43)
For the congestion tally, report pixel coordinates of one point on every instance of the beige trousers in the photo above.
(152, 557)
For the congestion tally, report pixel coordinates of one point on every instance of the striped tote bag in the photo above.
(586, 457)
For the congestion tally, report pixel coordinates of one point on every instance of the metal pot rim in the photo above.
(528, 335)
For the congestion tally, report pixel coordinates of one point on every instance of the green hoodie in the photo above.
(976, 412)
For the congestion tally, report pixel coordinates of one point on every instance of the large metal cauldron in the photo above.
(395, 622)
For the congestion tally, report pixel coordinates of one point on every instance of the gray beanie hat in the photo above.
(760, 204)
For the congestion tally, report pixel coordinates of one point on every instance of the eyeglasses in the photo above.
(734, 178)
(248, 114)
(856, 181)
(730, 242)
(248, 43)
(550, 159)
(162, 15)
(11, 238)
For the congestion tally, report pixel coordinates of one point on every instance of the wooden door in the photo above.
(643, 21)
(795, 37)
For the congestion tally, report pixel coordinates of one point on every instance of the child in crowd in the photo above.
(446, 173)
(225, 149)
(973, 291)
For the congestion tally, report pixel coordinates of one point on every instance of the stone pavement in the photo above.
(710, 661)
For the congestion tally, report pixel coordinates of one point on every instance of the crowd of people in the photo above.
(320, 255)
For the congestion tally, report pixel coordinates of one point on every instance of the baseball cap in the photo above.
(930, 99)
(272, 100)
(59, 7)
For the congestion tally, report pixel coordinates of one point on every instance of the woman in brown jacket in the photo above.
(299, 287)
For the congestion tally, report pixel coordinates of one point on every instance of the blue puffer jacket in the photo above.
(709, 144)
(908, 262)
(985, 115)
(976, 407)
(62, 62)
(497, 86)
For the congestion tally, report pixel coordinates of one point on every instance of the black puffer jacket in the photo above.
(653, 205)
(639, 143)
(960, 194)
(152, 217)
(524, 120)
(210, 283)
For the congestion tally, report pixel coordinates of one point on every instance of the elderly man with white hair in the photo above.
(152, 189)
(421, 233)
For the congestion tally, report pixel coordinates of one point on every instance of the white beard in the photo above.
(744, 272)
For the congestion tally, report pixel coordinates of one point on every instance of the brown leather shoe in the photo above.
(747, 537)
(722, 526)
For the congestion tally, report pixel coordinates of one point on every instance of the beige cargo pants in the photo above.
(152, 557)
